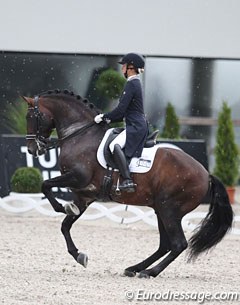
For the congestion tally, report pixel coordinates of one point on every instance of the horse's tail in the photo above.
(217, 222)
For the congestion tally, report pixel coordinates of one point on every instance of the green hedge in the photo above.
(26, 180)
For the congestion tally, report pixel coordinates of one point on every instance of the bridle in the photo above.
(40, 140)
(43, 143)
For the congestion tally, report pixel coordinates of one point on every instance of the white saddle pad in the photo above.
(137, 165)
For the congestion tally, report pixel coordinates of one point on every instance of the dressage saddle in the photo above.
(150, 142)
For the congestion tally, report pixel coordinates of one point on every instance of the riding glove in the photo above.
(99, 118)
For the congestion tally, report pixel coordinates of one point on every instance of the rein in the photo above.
(79, 131)
(45, 143)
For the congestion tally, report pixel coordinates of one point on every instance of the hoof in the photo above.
(71, 209)
(82, 259)
(129, 273)
(143, 275)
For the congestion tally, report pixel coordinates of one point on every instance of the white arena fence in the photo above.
(119, 213)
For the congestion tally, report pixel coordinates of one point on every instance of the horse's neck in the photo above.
(68, 119)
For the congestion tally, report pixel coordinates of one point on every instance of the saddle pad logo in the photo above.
(144, 163)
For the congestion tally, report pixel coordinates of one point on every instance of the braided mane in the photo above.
(68, 93)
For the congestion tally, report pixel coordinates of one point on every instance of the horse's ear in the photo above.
(29, 100)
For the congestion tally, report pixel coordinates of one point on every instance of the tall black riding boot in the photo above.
(121, 162)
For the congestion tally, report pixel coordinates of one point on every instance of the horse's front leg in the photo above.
(65, 180)
(67, 223)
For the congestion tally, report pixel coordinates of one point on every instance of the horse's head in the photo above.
(40, 125)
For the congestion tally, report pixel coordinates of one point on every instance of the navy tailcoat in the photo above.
(130, 107)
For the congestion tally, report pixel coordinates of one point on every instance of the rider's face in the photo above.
(124, 68)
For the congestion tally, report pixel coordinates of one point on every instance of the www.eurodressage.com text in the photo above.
(200, 297)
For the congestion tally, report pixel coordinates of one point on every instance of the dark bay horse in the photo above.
(175, 185)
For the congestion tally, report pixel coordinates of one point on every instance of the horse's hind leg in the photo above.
(178, 244)
(164, 247)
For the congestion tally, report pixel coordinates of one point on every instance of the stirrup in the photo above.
(127, 186)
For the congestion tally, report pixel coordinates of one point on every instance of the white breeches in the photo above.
(120, 139)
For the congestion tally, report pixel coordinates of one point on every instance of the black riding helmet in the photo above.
(133, 59)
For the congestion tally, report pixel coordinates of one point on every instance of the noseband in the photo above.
(44, 143)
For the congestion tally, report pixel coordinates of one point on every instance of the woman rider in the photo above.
(130, 107)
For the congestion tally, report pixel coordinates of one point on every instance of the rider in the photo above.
(130, 107)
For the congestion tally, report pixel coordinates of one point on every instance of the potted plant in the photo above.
(171, 128)
(27, 181)
(226, 152)
(15, 117)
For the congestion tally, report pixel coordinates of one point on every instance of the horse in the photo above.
(174, 186)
